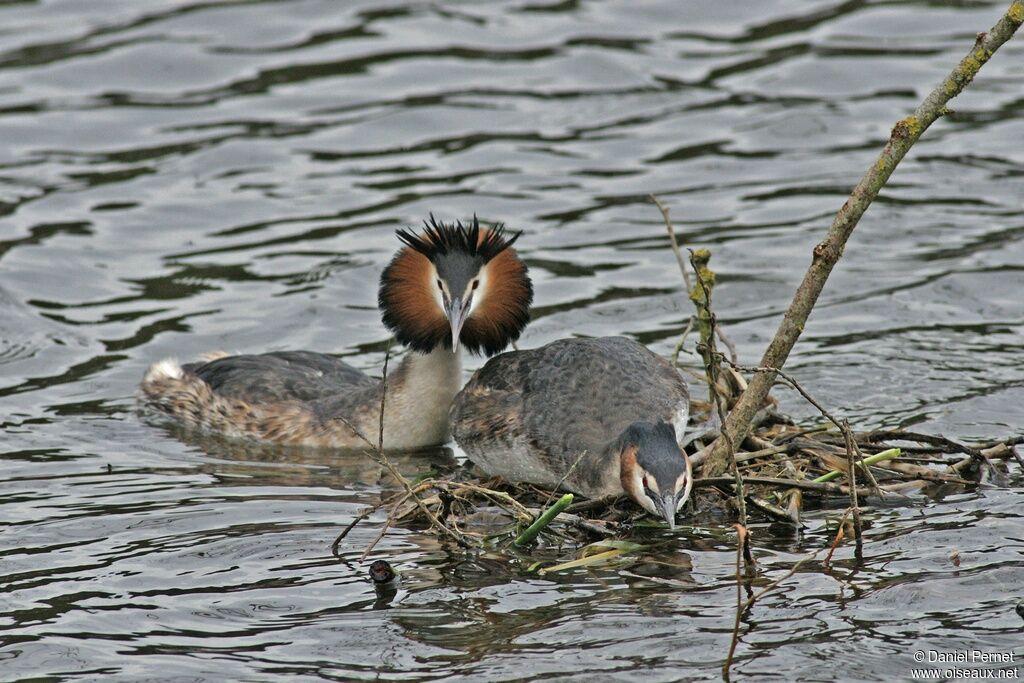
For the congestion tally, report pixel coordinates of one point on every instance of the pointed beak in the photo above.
(456, 312)
(668, 509)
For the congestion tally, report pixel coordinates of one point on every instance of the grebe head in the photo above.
(456, 284)
(654, 470)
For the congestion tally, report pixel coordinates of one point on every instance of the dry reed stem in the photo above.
(852, 475)
(596, 503)
(352, 525)
(741, 535)
(840, 534)
(565, 476)
(742, 608)
(376, 453)
(843, 426)
(820, 487)
(675, 244)
(682, 340)
(388, 523)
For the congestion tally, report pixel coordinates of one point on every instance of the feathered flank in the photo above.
(589, 415)
(408, 298)
(304, 398)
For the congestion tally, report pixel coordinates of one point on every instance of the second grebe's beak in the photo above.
(668, 505)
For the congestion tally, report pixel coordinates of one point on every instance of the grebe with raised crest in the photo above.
(451, 286)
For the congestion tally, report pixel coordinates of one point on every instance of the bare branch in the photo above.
(675, 244)
(827, 253)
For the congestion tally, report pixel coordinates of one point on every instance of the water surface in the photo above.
(180, 176)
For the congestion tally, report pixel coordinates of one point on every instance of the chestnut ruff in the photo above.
(413, 314)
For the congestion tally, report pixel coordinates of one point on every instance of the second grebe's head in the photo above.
(456, 284)
(654, 471)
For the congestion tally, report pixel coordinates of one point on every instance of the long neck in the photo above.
(598, 473)
(420, 391)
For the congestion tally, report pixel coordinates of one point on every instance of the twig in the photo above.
(866, 462)
(847, 432)
(793, 436)
(760, 453)
(565, 476)
(587, 527)
(776, 481)
(352, 525)
(712, 362)
(948, 445)
(733, 356)
(774, 584)
(376, 453)
(840, 534)
(601, 503)
(787, 463)
(682, 340)
(799, 389)
(742, 608)
(383, 397)
(1017, 456)
(844, 425)
(497, 496)
(858, 530)
(741, 534)
(827, 253)
(918, 472)
(677, 252)
(772, 510)
(675, 244)
(384, 529)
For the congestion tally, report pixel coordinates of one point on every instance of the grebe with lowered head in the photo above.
(452, 286)
(527, 416)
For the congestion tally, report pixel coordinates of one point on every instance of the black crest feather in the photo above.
(657, 450)
(440, 239)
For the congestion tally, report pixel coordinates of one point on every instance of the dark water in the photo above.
(183, 176)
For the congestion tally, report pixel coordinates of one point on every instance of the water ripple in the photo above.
(185, 176)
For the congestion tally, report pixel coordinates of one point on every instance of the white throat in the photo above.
(420, 392)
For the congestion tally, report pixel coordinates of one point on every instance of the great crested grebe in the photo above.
(449, 287)
(528, 416)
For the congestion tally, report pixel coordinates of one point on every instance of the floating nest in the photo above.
(784, 467)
